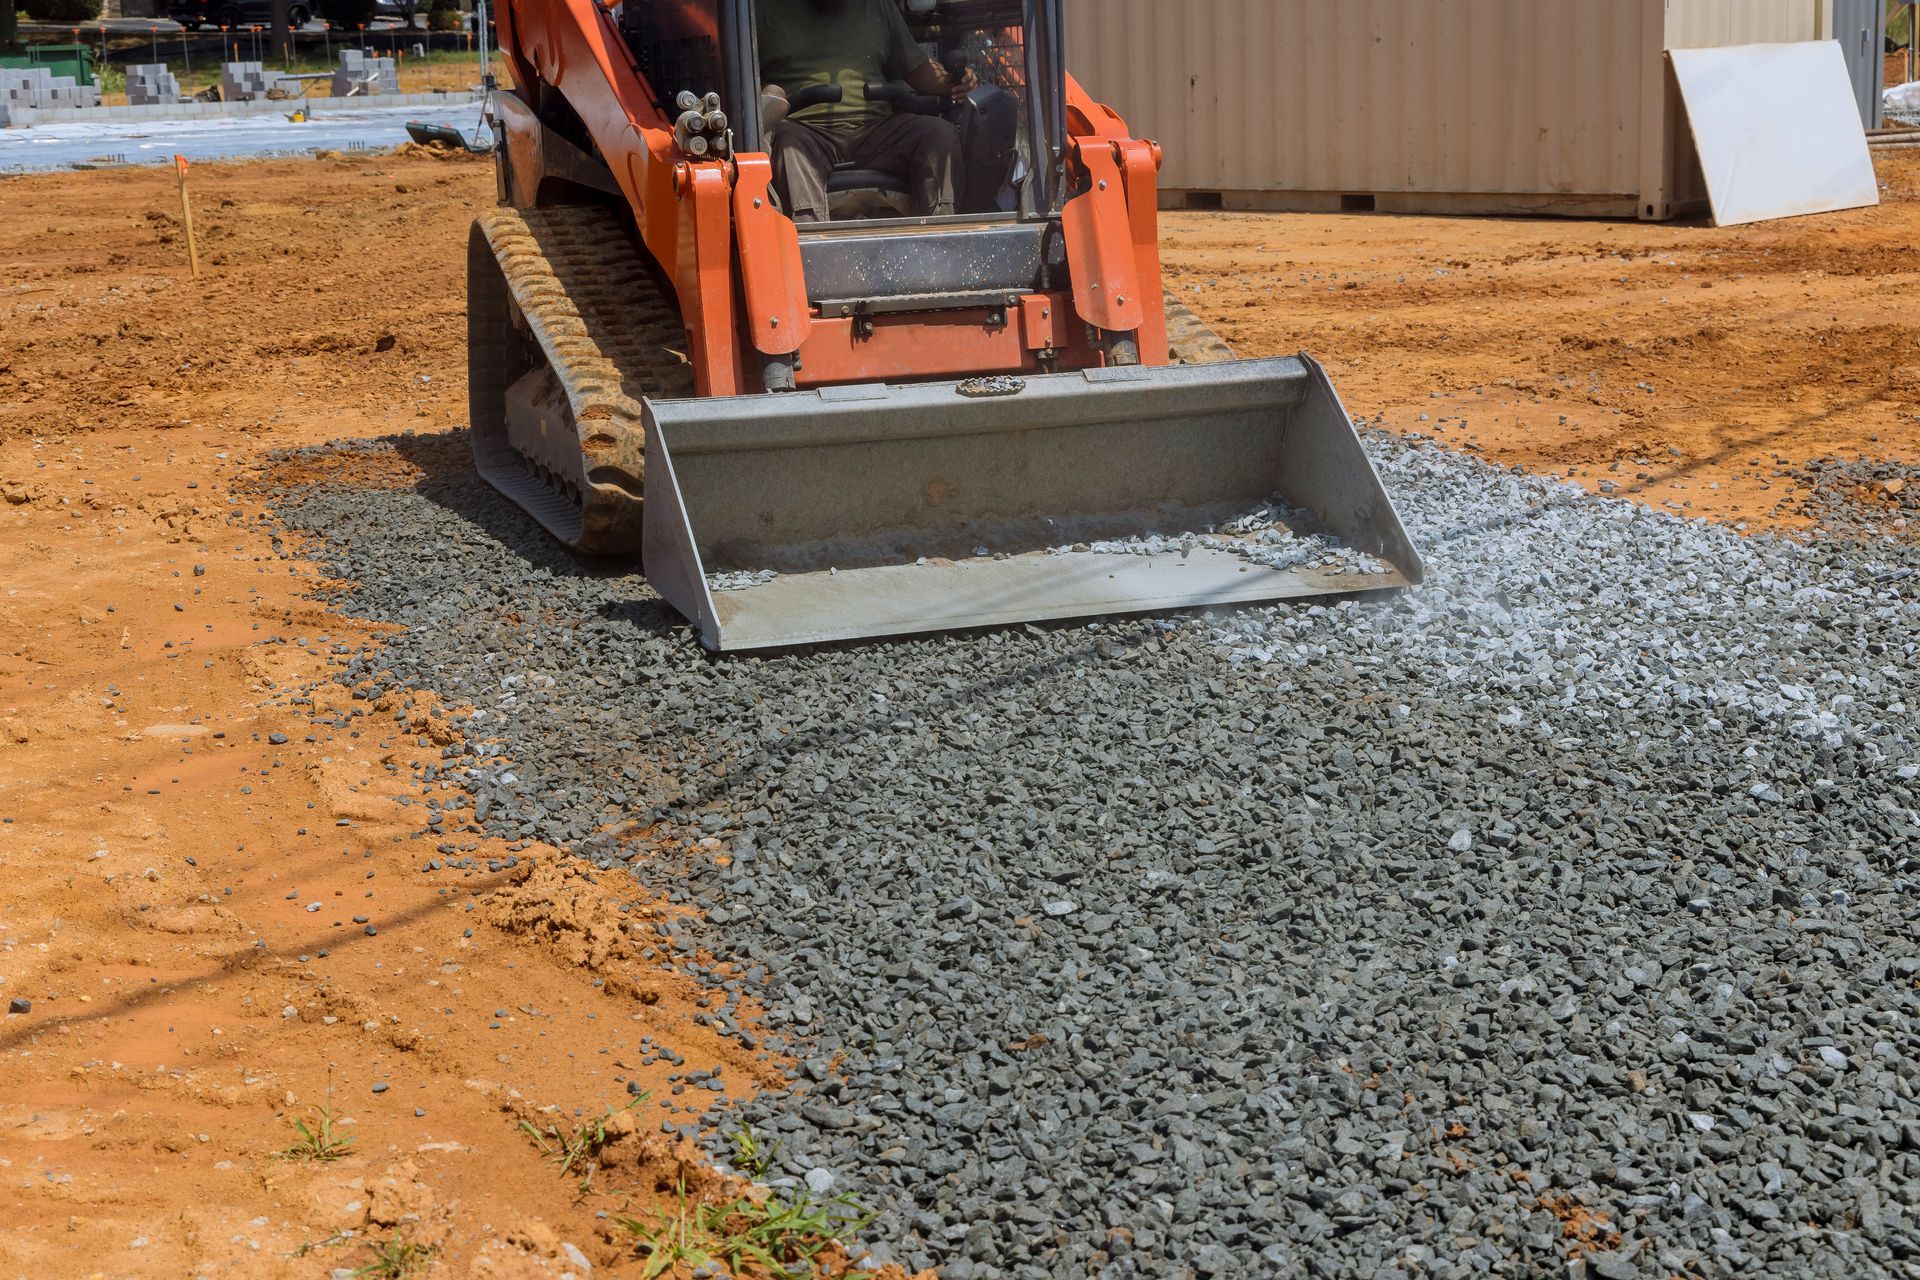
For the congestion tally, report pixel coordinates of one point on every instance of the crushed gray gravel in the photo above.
(1859, 497)
(1566, 904)
(1268, 535)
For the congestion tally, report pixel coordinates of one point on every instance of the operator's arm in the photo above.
(906, 60)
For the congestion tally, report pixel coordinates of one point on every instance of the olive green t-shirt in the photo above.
(845, 42)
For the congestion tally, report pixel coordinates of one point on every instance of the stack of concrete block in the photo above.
(360, 75)
(21, 87)
(251, 82)
(242, 81)
(150, 83)
(39, 87)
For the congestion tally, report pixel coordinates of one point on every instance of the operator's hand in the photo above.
(773, 105)
(965, 82)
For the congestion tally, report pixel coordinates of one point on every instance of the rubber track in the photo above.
(610, 333)
(1190, 340)
(593, 305)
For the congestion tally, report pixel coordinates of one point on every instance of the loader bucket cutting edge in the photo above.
(846, 512)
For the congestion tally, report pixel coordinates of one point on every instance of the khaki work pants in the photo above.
(926, 149)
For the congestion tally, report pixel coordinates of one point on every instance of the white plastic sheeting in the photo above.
(63, 145)
(1777, 130)
(1902, 102)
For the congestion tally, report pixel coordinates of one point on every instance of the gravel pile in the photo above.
(739, 579)
(1564, 906)
(1265, 536)
(1858, 497)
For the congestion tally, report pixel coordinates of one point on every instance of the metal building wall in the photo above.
(1861, 28)
(1464, 105)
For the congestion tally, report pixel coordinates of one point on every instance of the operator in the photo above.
(851, 43)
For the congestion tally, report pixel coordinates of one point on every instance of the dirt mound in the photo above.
(413, 150)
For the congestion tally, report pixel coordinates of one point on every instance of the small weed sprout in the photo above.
(338, 1237)
(577, 1152)
(396, 1259)
(783, 1237)
(316, 1141)
(750, 1156)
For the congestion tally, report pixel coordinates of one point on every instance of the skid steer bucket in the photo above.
(881, 510)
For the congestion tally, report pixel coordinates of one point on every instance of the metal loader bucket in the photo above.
(880, 510)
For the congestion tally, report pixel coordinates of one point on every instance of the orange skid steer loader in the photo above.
(877, 423)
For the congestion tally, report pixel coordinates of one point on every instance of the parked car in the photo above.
(400, 11)
(194, 14)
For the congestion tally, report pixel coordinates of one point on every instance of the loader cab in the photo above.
(1013, 125)
(874, 257)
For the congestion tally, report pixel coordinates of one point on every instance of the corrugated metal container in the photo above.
(1707, 24)
(1476, 106)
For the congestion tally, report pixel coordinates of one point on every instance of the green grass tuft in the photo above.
(577, 1152)
(775, 1235)
(749, 1156)
(317, 1141)
(396, 1259)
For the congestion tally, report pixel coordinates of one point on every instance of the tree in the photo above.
(279, 39)
(9, 28)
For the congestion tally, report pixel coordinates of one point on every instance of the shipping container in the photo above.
(1469, 106)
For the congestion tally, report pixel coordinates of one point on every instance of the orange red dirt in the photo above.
(215, 909)
(160, 848)
(1698, 358)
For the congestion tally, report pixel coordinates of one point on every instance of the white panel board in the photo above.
(1777, 130)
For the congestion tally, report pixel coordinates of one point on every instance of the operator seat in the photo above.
(846, 178)
(867, 193)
